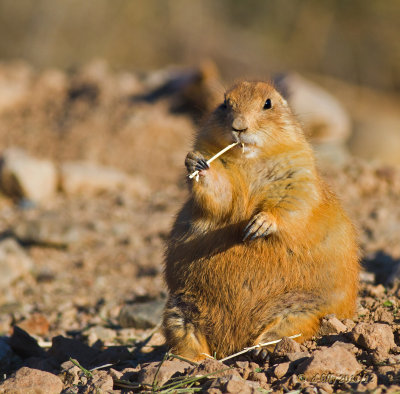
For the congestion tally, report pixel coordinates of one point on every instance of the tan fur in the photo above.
(226, 293)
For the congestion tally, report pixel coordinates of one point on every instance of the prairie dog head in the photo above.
(255, 115)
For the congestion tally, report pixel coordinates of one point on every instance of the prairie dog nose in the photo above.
(240, 124)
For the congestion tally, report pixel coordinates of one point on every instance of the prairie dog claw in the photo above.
(261, 225)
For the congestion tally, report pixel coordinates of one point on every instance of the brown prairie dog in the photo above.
(262, 248)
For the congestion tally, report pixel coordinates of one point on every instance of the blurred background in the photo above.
(357, 41)
(350, 49)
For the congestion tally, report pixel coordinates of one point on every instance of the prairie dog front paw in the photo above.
(261, 225)
(195, 161)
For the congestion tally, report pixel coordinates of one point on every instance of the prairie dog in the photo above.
(262, 248)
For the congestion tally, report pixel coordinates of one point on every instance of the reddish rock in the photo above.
(349, 323)
(244, 368)
(331, 325)
(297, 356)
(242, 364)
(384, 315)
(379, 356)
(374, 336)
(166, 371)
(70, 373)
(347, 346)
(259, 377)
(28, 380)
(324, 388)
(293, 381)
(213, 390)
(371, 382)
(237, 385)
(37, 324)
(210, 365)
(377, 291)
(281, 369)
(102, 381)
(336, 360)
(285, 346)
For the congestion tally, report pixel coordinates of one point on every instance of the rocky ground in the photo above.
(81, 289)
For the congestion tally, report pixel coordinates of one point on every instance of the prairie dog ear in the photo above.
(281, 85)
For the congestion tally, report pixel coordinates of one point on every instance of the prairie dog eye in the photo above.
(267, 104)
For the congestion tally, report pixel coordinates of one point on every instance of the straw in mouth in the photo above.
(221, 152)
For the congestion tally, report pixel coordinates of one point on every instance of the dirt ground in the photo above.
(84, 293)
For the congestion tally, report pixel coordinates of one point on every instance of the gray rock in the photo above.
(23, 176)
(141, 315)
(48, 229)
(14, 262)
(91, 178)
(323, 116)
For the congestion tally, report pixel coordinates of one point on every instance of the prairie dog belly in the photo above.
(261, 249)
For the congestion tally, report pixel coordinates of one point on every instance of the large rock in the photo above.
(23, 176)
(336, 360)
(28, 380)
(90, 178)
(323, 116)
(14, 262)
(374, 336)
